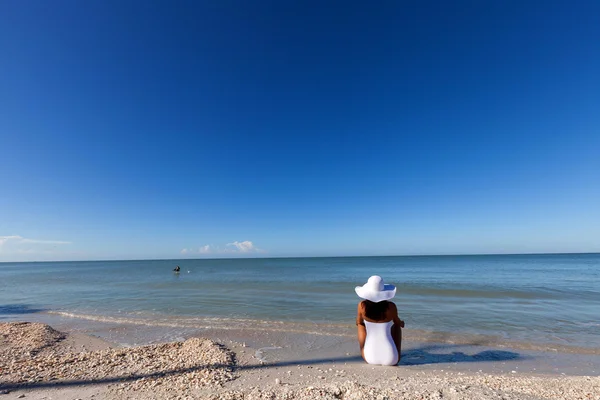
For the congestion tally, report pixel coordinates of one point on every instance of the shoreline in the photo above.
(285, 342)
(261, 365)
(179, 324)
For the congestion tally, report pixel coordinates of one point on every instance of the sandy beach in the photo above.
(239, 200)
(39, 362)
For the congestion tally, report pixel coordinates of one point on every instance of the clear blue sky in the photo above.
(135, 129)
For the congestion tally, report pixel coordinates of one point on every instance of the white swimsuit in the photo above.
(379, 347)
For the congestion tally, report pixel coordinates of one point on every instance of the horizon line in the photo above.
(290, 257)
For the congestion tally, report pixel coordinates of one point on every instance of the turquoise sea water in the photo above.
(550, 300)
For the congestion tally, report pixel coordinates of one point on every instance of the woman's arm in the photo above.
(396, 328)
(362, 331)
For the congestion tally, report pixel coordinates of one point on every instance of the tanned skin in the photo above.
(391, 314)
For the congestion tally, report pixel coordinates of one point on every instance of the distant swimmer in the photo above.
(177, 269)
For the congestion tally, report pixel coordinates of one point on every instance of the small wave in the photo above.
(213, 323)
(259, 353)
(476, 293)
(589, 324)
(474, 339)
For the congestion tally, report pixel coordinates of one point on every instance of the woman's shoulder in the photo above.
(392, 310)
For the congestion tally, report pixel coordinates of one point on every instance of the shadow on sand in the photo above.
(424, 355)
(418, 356)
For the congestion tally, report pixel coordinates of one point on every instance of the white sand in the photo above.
(78, 363)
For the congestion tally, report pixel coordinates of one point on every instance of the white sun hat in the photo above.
(375, 290)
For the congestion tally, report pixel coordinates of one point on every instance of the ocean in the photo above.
(547, 301)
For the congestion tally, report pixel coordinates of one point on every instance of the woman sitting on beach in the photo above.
(379, 328)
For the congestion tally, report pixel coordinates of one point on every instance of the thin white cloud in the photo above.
(16, 240)
(45, 241)
(4, 239)
(205, 249)
(19, 248)
(245, 247)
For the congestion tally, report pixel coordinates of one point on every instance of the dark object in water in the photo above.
(177, 269)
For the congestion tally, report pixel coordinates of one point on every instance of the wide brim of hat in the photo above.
(388, 292)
